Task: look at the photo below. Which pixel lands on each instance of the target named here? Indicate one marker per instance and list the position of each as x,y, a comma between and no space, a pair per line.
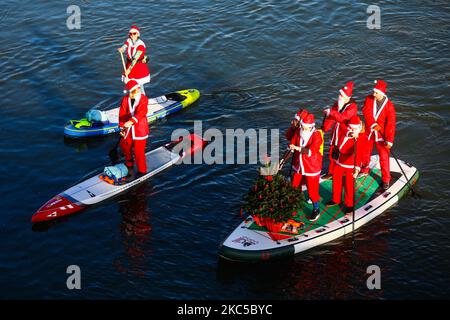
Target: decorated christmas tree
272,201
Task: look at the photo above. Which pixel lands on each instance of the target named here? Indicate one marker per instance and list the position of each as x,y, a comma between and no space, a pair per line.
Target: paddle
323,122
113,153
123,64
354,184
284,158
414,193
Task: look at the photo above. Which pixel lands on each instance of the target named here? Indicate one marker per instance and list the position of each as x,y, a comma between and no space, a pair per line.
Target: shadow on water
135,229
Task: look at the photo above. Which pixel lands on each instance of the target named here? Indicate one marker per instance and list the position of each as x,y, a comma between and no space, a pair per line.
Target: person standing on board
307,161
380,118
335,117
348,163
136,66
134,127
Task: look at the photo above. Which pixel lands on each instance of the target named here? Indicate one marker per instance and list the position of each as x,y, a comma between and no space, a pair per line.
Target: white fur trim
345,165
136,86
307,125
379,91
135,30
135,119
343,94
312,174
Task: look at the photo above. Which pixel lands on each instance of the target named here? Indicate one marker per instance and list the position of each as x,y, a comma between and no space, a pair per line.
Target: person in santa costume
134,127
351,146
380,118
336,118
307,161
295,124
136,66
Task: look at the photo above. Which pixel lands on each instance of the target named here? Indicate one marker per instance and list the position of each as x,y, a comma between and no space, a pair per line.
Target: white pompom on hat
347,90
380,87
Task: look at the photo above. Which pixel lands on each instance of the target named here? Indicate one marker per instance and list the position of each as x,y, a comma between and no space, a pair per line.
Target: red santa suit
383,116
348,161
140,72
136,136
307,163
336,118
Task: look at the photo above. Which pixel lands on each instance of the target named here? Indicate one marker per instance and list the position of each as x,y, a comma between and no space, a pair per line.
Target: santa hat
130,86
300,115
380,87
355,122
347,90
308,121
135,29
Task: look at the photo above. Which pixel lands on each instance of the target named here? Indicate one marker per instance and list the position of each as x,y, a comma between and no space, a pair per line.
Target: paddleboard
158,108
250,242
94,190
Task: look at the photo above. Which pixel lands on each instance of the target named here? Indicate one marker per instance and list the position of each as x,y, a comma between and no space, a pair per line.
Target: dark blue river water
255,62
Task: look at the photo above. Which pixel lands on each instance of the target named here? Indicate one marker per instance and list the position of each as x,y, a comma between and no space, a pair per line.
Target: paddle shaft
354,184
284,158
323,121
123,64
398,163
123,61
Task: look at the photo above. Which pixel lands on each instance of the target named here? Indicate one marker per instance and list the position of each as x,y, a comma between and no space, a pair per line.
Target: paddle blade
114,154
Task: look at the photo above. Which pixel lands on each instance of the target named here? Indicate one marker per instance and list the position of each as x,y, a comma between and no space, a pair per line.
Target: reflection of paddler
136,231
136,66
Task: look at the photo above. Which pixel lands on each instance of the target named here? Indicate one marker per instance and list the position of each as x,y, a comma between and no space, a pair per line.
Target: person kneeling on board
351,147
335,117
380,118
307,161
134,127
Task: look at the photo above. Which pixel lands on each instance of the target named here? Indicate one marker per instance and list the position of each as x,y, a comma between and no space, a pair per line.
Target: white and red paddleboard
94,190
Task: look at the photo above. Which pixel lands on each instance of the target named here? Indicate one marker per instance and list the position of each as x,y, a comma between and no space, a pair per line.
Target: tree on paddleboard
272,199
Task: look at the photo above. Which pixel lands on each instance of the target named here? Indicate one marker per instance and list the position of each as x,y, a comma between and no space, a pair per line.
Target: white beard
354,132
305,135
340,103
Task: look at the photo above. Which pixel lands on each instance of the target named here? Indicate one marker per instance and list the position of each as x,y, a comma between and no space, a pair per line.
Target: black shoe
315,215
328,176
331,203
386,186
348,210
